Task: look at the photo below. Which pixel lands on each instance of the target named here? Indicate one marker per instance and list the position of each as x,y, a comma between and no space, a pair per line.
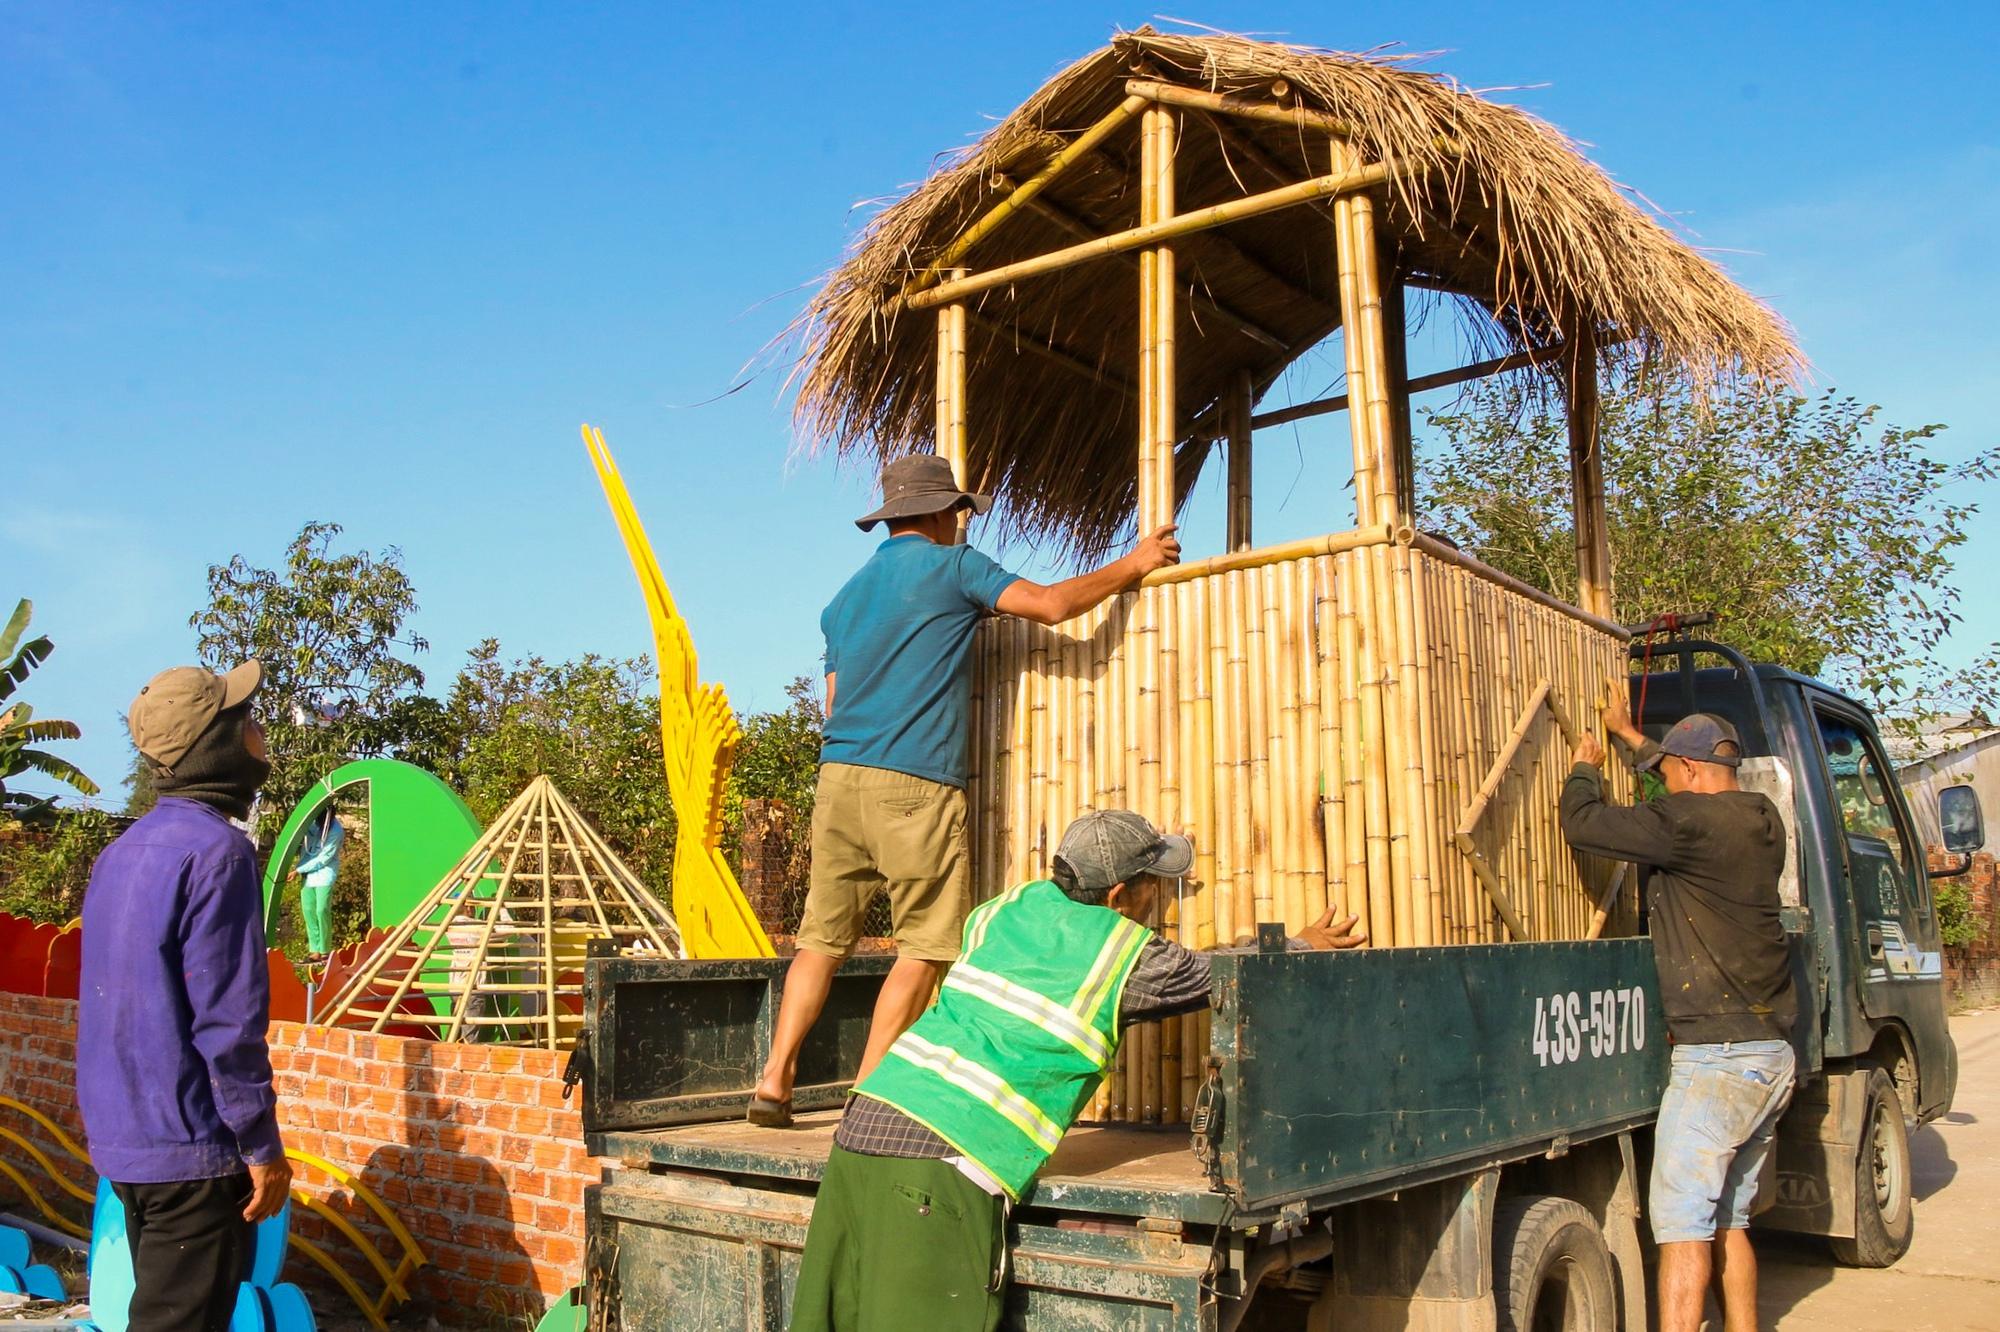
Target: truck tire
1884,1220
1552,1270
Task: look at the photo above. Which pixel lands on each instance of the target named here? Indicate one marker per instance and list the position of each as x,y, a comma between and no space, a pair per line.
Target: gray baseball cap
1696,737
1111,846
919,484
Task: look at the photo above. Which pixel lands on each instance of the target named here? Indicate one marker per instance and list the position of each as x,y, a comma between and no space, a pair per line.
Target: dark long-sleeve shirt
173,1075
1166,980
1713,863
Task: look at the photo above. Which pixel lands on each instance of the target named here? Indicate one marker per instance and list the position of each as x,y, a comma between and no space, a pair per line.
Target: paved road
1949,1281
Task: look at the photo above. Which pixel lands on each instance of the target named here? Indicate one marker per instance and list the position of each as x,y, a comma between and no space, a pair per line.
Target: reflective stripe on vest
1025,1003
976,924
982,1083
1127,939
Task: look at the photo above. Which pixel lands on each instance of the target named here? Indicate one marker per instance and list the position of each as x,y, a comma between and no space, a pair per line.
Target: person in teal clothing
317,870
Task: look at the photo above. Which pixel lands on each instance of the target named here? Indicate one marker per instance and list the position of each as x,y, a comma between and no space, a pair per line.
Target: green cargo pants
900,1245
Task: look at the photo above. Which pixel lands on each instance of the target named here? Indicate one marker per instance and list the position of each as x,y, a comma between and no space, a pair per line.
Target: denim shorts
1721,1109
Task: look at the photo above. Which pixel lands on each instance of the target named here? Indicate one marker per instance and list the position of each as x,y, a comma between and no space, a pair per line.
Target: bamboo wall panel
1319,725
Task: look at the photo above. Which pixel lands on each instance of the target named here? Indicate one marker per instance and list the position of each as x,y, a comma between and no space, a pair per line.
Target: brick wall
470,1145
1972,973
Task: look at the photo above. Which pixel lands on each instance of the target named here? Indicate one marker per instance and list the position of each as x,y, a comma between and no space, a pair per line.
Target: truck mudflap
672,1251
1816,1145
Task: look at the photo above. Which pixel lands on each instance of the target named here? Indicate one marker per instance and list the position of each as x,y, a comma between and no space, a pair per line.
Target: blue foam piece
111,1280
12,1282
15,1251
253,1312
290,1309
42,1282
268,1256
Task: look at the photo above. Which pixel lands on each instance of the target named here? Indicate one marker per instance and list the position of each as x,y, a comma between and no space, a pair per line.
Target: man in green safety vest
950,1128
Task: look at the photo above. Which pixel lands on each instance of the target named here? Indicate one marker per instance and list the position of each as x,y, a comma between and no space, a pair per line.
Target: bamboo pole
1149,324
1331,778
1438,550
1336,185
950,395
1159,318
1516,927
1353,762
1240,910
1237,414
1374,752
1430,762
548,927
1266,904
1369,505
1368,332
1205,645
1041,750
1075,151
1286,552
1305,740
1241,105
1586,469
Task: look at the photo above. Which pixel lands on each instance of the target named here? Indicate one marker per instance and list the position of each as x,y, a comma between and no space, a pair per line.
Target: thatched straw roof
1519,231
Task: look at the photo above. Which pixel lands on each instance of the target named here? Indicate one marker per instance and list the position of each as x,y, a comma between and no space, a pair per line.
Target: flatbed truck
1447,1137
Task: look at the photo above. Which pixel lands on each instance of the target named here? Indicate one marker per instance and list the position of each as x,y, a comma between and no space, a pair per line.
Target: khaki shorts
874,829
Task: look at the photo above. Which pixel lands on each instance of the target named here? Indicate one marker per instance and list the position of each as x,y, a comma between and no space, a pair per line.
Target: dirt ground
1950,1278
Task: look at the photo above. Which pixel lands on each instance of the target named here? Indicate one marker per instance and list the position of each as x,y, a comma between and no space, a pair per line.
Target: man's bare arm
1055,602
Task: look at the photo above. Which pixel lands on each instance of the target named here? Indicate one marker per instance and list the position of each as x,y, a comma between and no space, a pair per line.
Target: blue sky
374,263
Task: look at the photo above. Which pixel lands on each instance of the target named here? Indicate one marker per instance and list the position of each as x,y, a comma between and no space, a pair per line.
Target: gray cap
1696,737
919,484
1111,846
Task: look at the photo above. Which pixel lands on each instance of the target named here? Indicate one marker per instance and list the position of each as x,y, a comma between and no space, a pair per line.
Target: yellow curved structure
699,735
395,1278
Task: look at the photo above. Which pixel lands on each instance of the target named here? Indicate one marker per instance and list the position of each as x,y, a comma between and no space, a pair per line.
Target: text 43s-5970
1601,1022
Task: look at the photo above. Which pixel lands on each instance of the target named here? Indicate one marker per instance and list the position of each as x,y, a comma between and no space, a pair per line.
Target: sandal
768,1113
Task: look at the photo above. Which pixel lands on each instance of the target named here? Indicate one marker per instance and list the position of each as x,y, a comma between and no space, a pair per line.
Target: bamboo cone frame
504,891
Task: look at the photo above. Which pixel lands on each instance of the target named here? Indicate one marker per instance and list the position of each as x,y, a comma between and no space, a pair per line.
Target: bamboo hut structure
1085,307
495,951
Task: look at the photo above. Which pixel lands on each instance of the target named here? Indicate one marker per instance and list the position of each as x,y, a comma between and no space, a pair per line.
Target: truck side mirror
1960,819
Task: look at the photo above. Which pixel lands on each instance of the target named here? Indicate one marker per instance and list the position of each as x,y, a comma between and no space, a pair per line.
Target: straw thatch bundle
1522,235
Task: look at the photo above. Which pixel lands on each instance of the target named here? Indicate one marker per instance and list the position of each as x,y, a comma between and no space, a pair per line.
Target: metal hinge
1205,1123
1558,1146
578,1065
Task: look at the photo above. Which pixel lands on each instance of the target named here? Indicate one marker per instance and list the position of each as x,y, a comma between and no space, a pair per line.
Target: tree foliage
44,871
1821,538
592,725
21,732
779,756
329,629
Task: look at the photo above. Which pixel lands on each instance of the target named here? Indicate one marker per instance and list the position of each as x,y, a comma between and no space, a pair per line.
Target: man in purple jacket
173,1075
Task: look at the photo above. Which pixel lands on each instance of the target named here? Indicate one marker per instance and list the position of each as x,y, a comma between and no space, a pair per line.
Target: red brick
557,1219
563,1253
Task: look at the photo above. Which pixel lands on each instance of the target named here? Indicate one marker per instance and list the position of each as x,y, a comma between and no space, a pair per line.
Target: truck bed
1117,1170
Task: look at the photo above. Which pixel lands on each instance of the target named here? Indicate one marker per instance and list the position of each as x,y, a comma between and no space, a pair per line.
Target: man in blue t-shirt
889,810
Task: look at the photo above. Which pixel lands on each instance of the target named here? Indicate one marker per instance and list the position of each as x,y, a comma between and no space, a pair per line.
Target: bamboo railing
1322,718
